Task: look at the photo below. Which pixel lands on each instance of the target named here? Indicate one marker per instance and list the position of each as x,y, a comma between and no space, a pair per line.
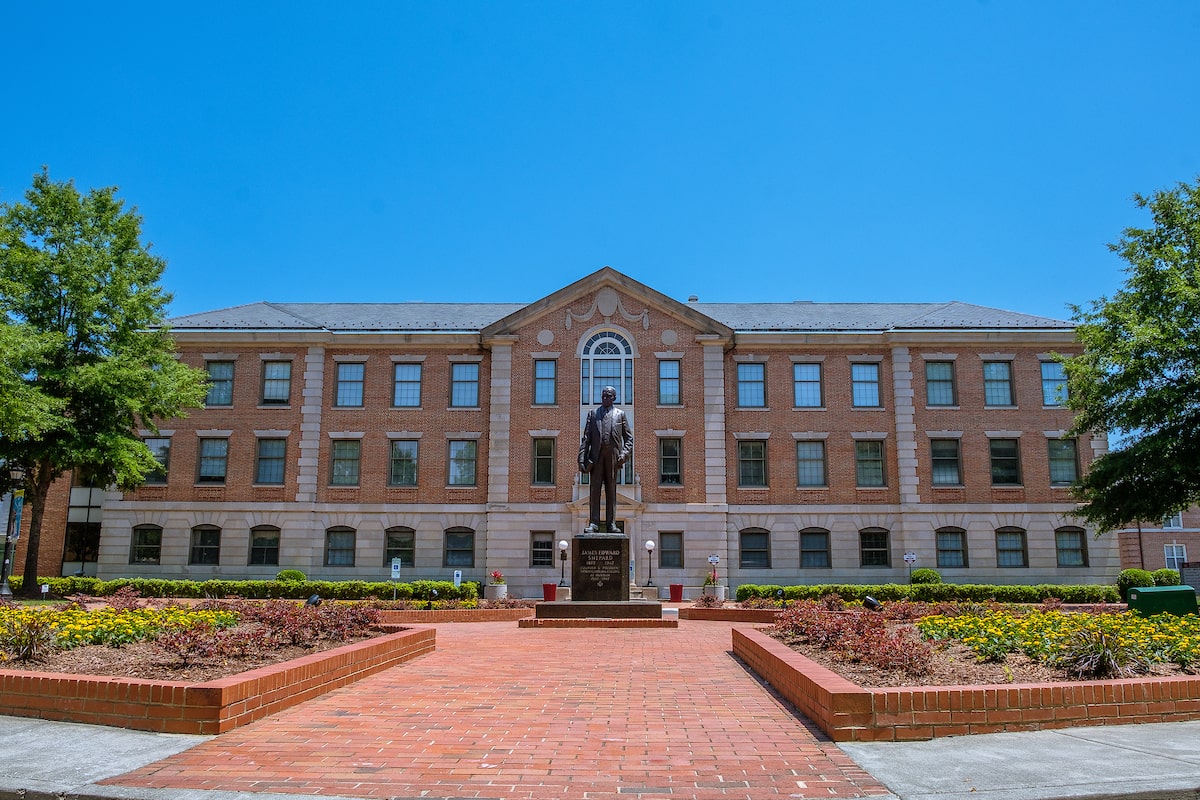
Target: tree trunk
37,489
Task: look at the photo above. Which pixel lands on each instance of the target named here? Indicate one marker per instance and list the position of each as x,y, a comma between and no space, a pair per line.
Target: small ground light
313,601
872,604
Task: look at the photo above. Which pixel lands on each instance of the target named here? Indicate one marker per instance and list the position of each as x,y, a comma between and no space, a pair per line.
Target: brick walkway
503,712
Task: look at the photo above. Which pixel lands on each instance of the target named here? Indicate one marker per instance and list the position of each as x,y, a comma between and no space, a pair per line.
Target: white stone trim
272,434
345,434
809,436
407,359
404,435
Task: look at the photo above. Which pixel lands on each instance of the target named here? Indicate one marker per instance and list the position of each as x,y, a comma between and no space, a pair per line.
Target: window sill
464,408
754,488
268,486
955,407
871,488
822,488
670,405
342,486
406,408
461,486
1001,408
271,406
752,408
868,408
809,408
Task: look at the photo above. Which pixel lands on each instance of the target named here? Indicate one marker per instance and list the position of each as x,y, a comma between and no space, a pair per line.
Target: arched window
873,547
951,547
458,548
264,545
206,545
339,546
755,549
1010,548
145,545
607,360
401,543
1071,544
814,549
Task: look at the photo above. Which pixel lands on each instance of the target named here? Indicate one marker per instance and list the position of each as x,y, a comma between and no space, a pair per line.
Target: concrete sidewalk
587,715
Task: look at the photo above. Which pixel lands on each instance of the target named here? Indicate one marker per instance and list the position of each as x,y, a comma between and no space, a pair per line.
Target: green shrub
1166,577
925,575
291,575
1133,579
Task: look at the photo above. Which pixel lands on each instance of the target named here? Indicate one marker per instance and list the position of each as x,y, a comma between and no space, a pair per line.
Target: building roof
800,316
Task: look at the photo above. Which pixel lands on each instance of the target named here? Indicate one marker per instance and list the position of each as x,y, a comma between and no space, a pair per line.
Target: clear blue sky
496,151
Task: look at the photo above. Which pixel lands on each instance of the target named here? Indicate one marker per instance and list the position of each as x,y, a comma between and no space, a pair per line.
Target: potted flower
711,587
496,588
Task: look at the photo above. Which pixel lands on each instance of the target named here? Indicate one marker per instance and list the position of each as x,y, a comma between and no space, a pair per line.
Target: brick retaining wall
848,712
212,707
454,615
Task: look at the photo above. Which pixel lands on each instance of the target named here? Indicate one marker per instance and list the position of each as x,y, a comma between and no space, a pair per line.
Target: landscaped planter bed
848,712
211,707
762,615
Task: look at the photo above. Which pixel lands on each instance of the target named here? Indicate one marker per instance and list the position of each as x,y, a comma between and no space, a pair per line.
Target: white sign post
395,575
910,558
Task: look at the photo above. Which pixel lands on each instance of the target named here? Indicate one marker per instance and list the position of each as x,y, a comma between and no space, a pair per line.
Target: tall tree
83,317
1139,373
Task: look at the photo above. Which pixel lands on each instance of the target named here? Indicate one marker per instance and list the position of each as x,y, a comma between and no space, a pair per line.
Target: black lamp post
562,556
16,498
650,562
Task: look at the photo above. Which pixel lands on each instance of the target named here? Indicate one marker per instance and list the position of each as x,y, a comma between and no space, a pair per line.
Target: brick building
801,442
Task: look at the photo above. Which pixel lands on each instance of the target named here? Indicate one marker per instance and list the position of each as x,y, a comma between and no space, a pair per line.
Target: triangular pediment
592,288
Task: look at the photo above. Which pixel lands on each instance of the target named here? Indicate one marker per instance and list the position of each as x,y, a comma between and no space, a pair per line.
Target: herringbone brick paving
536,714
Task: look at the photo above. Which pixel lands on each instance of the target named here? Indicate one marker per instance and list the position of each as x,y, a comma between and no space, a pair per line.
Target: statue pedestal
600,567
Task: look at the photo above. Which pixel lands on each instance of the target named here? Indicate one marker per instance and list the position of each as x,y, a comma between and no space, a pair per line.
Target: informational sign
910,558
714,559
395,569
457,578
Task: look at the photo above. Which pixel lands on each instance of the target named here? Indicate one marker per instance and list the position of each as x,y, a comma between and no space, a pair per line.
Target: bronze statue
607,443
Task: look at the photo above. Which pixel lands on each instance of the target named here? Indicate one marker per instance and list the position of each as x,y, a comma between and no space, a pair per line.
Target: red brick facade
736,405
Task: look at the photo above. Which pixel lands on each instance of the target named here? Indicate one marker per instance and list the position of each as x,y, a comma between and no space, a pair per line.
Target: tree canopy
1139,373
86,353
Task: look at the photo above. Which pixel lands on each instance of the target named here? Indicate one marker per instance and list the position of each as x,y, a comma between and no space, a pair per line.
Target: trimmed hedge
935,592
260,590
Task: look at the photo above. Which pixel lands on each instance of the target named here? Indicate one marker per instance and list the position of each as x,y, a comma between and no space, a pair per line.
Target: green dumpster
1150,600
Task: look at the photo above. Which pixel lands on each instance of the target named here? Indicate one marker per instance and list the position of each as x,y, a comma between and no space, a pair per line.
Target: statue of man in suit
607,443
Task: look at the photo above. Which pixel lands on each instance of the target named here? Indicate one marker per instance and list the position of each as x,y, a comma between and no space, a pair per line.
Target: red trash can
549,592
676,592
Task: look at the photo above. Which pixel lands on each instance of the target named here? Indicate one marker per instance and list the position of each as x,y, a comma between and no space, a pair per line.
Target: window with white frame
1174,521
607,360
1175,555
